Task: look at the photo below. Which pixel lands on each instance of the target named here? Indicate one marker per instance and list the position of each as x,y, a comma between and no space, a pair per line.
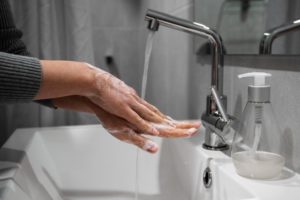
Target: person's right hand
117,98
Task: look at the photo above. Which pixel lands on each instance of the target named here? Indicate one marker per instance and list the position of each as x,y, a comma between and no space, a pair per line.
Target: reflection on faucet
215,118
268,38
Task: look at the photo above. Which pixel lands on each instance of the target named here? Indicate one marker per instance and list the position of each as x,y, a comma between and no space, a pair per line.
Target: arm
67,78
20,78
23,69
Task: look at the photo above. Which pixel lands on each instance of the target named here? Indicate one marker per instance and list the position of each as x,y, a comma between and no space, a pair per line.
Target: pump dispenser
259,91
256,145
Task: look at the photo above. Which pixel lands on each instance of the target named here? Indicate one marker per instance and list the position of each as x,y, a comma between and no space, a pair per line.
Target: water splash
148,51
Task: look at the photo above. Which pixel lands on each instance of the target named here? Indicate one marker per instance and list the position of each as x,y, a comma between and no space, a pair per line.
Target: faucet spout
266,42
156,18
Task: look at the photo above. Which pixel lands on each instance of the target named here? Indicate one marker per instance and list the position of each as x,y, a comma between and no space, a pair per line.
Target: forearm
65,78
20,78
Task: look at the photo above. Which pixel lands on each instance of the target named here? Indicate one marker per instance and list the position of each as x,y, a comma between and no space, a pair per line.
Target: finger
140,123
145,143
187,124
177,133
130,136
151,107
171,132
167,120
146,113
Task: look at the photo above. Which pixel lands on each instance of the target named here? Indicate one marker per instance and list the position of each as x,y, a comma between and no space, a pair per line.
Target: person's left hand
125,131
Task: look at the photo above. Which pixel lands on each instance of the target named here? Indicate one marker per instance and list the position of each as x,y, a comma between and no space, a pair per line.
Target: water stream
143,95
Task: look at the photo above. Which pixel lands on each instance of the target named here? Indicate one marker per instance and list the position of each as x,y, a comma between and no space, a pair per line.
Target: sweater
20,74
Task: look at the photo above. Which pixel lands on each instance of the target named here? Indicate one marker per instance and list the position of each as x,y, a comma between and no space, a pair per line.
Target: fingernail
198,124
192,131
150,146
154,131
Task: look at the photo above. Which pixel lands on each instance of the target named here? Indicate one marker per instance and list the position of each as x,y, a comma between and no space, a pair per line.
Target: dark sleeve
10,36
20,74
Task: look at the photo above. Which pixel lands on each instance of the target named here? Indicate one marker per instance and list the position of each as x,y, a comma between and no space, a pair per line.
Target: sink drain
207,177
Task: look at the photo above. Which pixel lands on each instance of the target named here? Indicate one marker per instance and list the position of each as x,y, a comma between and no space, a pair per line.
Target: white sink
85,162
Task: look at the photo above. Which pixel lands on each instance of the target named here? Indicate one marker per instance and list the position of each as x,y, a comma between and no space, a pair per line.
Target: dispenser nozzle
259,77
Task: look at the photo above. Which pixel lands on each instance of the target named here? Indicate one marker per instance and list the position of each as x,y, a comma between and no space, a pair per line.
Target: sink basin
85,162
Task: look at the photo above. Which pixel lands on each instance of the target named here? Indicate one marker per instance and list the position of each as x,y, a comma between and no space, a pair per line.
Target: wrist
65,78
92,80
88,80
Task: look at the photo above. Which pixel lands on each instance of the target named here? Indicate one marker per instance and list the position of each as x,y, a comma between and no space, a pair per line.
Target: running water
146,63
143,95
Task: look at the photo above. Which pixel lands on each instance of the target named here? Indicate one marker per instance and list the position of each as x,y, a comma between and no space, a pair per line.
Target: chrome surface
214,119
201,30
219,103
259,95
268,38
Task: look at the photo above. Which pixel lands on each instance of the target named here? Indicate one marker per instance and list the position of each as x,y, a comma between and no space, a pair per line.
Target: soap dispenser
256,146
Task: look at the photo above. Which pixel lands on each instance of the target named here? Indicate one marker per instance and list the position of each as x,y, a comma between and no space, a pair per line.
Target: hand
116,104
117,98
122,129
126,132
69,78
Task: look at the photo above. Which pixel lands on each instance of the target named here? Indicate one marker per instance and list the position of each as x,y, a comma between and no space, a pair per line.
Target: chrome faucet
268,38
214,118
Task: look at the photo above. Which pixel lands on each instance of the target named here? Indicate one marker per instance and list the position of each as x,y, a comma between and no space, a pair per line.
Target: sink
85,162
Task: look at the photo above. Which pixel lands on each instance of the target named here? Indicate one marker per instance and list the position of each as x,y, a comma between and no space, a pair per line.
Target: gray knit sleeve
20,78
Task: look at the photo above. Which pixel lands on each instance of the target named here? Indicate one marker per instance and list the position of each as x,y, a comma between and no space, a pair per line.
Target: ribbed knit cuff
20,78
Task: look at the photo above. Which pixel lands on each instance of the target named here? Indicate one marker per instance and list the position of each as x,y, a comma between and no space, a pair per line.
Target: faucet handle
220,106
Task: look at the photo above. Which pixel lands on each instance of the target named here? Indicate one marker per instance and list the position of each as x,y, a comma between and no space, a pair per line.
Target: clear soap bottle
256,145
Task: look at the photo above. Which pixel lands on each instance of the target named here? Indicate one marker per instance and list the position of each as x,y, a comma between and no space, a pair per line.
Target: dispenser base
219,148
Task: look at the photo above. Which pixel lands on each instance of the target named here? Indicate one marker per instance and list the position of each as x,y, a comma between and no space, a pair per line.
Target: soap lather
256,145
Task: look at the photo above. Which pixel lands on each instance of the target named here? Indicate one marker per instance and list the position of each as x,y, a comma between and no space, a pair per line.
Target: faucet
214,119
268,38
